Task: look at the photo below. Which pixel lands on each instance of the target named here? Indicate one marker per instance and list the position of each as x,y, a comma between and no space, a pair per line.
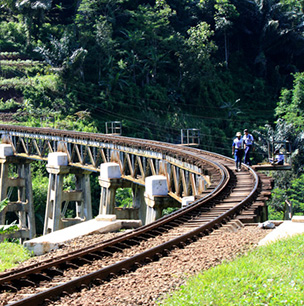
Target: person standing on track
249,142
238,150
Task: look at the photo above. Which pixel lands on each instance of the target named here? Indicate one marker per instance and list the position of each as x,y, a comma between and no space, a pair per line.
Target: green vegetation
11,254
160,66
123,197
9,229
8,105
269,275
3,204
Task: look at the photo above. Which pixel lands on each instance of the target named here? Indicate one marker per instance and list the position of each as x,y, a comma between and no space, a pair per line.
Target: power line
155,126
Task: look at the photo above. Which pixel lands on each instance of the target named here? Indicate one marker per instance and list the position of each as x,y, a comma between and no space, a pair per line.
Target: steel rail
38,267
134,261
116,268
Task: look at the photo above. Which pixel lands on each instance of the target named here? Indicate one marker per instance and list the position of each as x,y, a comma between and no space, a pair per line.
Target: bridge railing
137,159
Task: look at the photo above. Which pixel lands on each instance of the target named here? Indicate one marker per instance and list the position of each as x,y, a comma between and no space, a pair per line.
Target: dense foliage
158,66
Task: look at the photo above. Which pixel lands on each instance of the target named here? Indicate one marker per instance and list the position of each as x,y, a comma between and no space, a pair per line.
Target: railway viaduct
161,175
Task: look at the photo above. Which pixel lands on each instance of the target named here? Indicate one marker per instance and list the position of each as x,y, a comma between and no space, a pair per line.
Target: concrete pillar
24,206
6,150
84,207
109,180
29,198
139,203
57,168
156,197
55,211
3,185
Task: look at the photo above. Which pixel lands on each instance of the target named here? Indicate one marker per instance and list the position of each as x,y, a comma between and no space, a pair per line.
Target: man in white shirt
248,142
238,150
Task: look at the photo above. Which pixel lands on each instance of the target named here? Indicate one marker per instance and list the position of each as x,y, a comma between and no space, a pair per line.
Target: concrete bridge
160,175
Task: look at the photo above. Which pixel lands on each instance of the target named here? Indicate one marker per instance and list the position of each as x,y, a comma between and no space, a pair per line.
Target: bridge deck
270,167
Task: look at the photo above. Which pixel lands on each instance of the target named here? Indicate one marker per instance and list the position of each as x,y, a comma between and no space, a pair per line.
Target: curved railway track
231,192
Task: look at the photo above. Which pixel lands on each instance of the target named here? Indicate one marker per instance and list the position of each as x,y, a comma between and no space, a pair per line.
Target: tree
271,32
232,108
56,51
296,195
225,14
148,42
31,9
291,104
199,42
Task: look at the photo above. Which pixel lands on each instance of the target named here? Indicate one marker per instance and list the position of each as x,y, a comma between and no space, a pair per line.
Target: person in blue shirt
278,158
238,150
248,142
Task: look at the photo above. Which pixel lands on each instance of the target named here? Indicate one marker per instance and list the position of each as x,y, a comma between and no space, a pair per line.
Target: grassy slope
270,275
11,254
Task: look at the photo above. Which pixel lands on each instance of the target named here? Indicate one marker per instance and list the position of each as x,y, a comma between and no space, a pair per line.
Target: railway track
231,194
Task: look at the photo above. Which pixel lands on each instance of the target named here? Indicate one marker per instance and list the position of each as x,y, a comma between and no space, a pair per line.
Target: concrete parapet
156,185
105,218
127,224
129,213
284,230
110,171
6,150
187,200
57,159
57,238
299,219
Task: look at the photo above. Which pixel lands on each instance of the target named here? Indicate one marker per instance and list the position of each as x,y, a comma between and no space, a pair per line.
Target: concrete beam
55,239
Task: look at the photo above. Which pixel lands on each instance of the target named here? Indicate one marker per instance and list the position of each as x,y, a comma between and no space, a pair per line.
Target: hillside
158,67
213,65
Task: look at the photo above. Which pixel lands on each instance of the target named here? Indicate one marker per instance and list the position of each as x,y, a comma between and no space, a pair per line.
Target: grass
11,254
269,275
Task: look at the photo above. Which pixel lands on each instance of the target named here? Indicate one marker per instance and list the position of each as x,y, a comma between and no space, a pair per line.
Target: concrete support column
55,210
156,197
6,150
84,207
139,203
57,168
3,185
23,207
109,180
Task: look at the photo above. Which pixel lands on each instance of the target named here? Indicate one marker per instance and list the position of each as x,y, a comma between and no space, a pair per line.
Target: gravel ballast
149,284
